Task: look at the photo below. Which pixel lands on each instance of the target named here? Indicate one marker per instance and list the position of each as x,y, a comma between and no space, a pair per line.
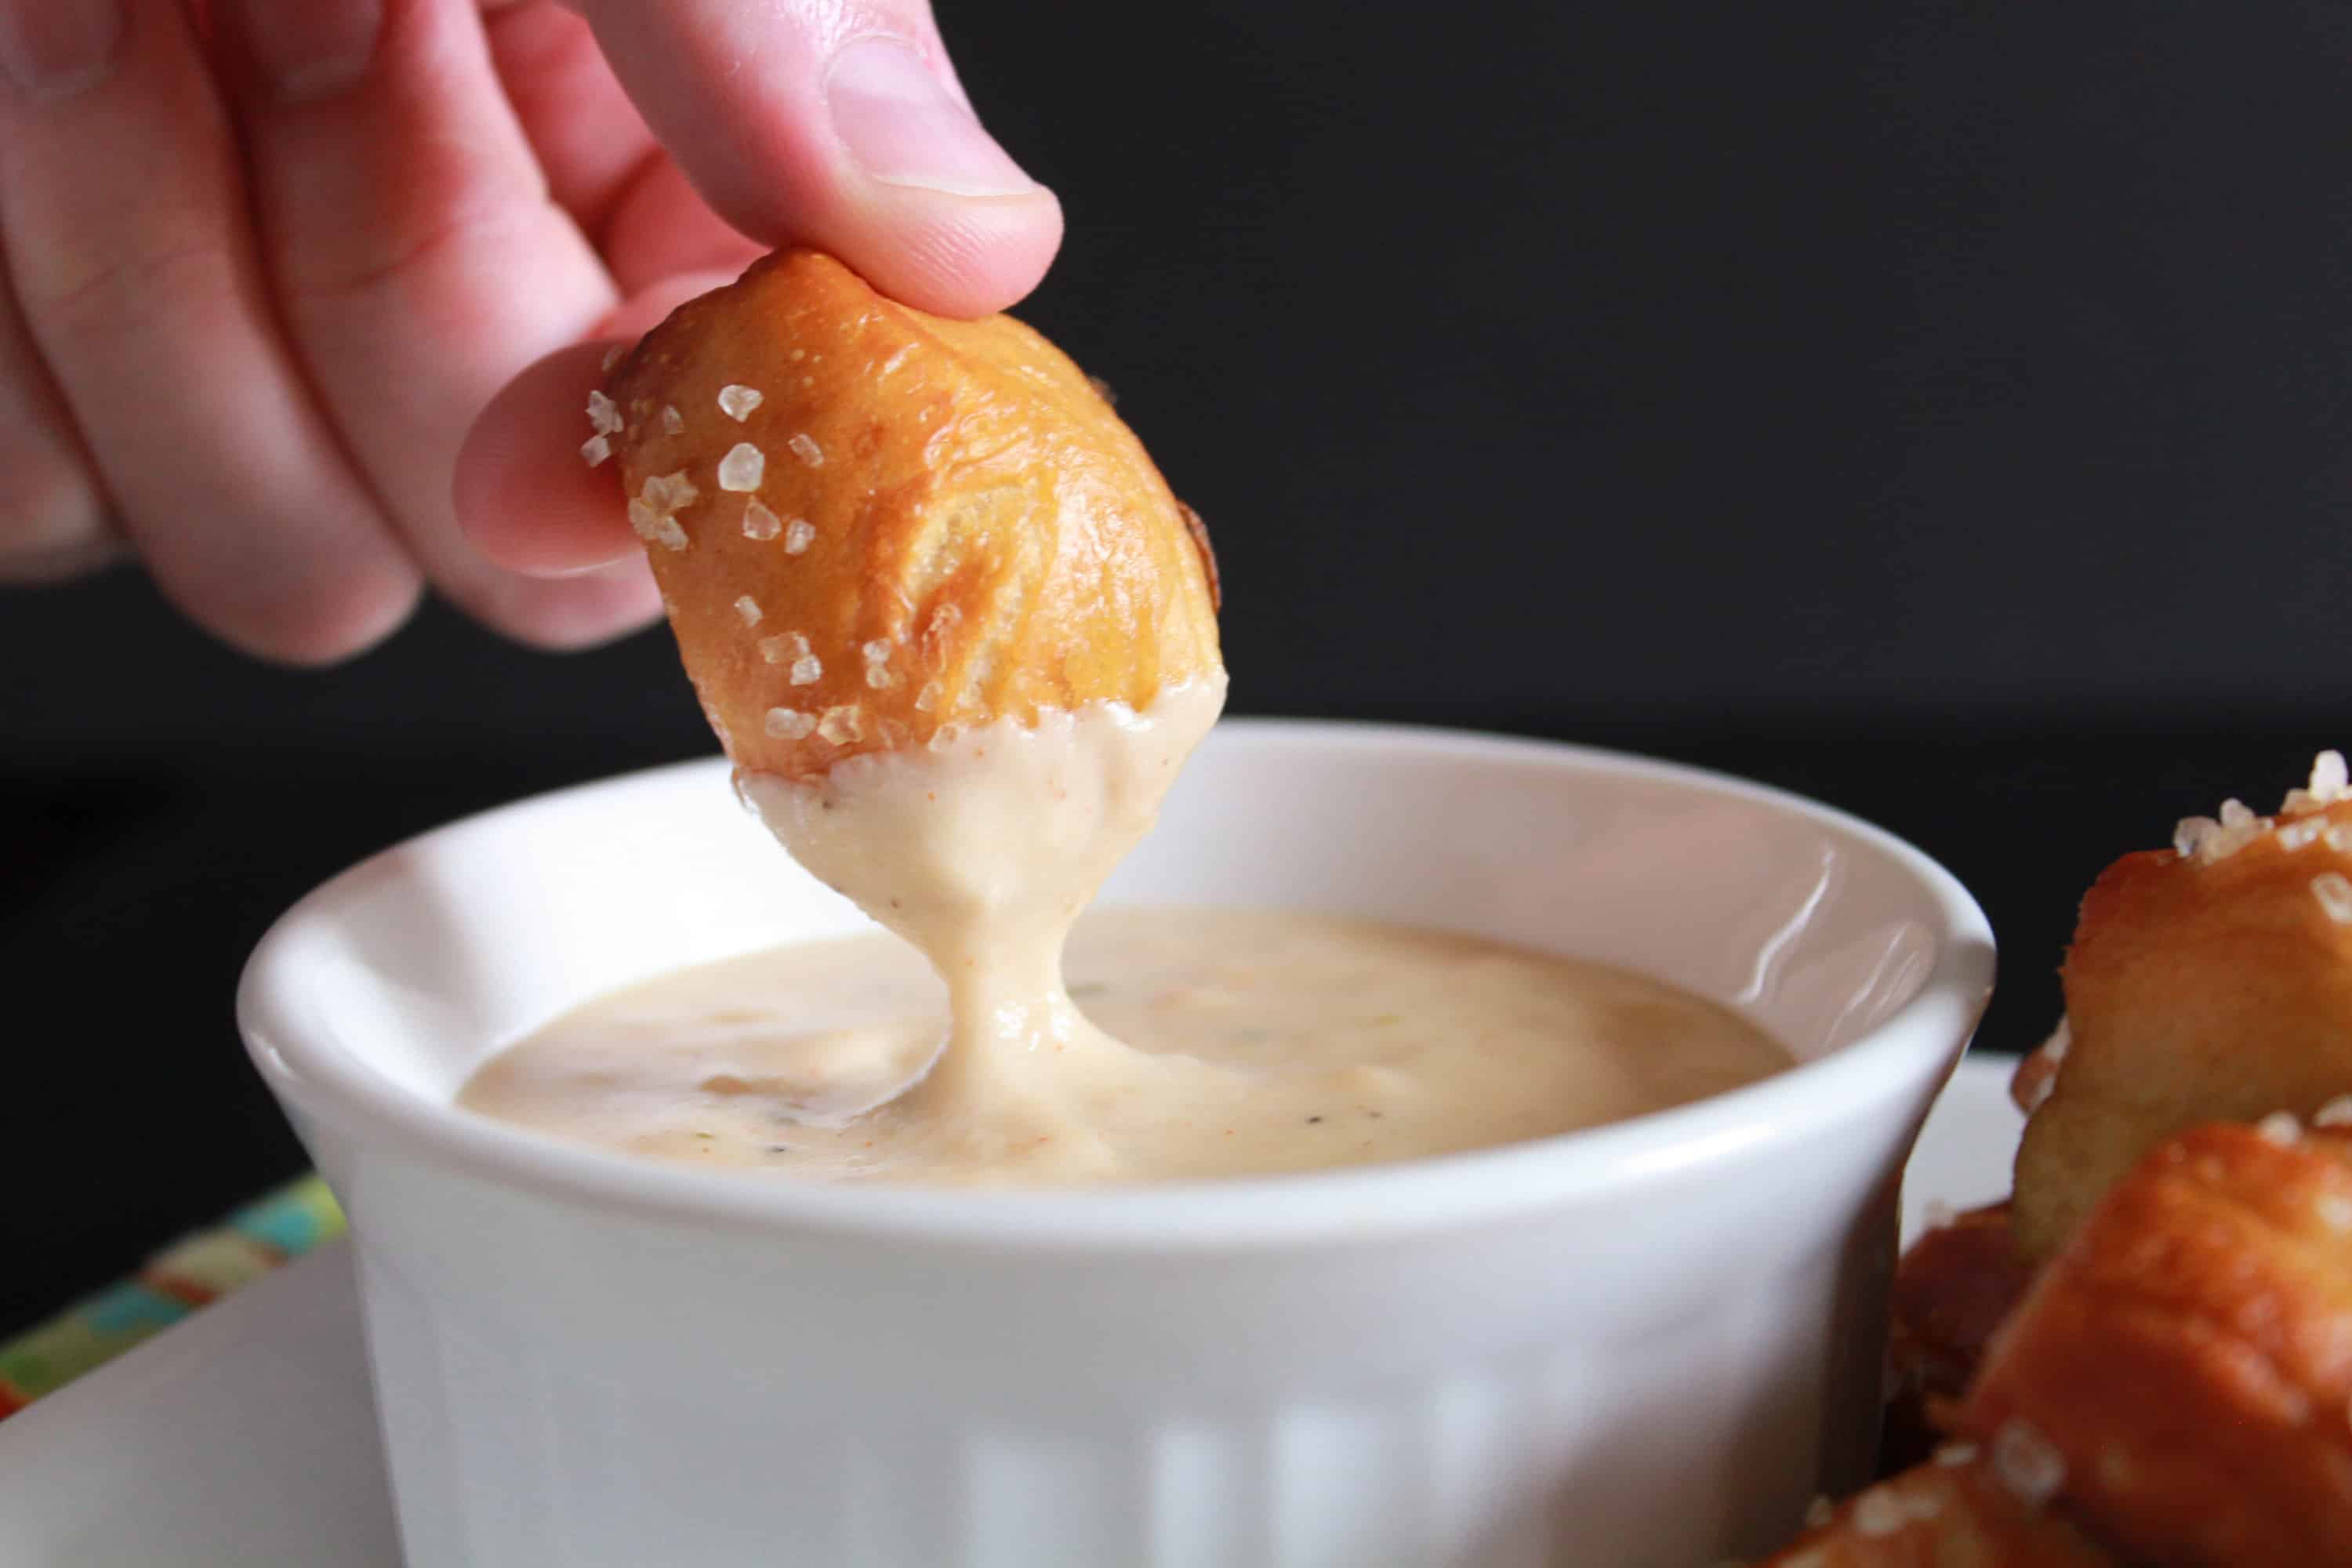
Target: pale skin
304,298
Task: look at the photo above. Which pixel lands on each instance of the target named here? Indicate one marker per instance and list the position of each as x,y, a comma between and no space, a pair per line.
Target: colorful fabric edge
190,1273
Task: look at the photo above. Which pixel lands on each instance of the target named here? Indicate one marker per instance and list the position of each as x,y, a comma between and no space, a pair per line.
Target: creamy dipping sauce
1255,1041
1193,1043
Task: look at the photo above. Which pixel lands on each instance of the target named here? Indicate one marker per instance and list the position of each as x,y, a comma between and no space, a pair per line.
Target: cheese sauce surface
1186,1043
1224,1042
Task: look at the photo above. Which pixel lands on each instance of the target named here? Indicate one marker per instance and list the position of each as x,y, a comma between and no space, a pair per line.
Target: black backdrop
1936,407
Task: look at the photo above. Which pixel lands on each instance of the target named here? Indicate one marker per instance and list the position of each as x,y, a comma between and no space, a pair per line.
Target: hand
268,262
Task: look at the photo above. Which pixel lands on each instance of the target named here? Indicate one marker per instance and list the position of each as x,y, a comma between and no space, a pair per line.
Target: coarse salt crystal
1877,1513
759,523
667,533
805,448
673,422
783,647
945,737
603,415
807,670
736,401
2335,1211
749,608
2294,836
2213,841
1952,1455
2336,1112
2330,779
799,534
2333,891
594,450
667,493
643,519
927,698
613,357
2027,1463
2339,837
789,723
843,724
2281,1127
743,468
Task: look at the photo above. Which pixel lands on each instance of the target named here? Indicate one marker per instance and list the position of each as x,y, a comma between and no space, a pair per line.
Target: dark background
1936,408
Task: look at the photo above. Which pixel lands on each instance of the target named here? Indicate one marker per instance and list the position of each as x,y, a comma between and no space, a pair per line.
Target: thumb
839,125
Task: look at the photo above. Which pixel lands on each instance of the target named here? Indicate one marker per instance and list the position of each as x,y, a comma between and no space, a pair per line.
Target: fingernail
53,49
905,128
309,48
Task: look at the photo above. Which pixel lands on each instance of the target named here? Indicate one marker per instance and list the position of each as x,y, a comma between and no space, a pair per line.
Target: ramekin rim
1913,1050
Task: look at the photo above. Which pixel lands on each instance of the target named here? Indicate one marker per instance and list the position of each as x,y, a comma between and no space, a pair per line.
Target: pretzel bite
1952,1289
2209,981
2181,1371
870,524
1954,1512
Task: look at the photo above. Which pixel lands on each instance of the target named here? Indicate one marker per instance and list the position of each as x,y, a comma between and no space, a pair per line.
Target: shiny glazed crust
2200,988
1940,1515
917,523
2188,1356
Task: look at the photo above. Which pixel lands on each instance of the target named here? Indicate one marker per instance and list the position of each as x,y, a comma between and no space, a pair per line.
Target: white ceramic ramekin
1648,1343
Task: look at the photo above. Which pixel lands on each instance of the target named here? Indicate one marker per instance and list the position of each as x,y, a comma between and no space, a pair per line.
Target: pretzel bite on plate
871,525
2209,981
2182,1370
1954,1512
1952,1290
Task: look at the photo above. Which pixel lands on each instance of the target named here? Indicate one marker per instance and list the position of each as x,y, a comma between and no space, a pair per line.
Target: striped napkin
176,1281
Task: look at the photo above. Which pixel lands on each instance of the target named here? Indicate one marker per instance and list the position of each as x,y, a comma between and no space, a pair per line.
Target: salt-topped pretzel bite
1956,1510
2182,1370
871,524
2211,980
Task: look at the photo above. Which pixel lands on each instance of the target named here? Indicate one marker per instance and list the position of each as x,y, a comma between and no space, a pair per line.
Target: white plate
247,1435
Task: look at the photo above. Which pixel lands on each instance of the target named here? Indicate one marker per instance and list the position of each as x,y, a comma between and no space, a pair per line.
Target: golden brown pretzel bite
2184,1365
869,522
1953,1288
2209,981
1954,1512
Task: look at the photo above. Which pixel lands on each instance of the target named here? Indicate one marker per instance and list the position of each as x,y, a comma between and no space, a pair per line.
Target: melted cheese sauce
1193,1043
1255,1042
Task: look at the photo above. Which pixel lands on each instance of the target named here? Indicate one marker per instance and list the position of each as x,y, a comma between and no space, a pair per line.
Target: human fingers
528,500
129,252
602,162
419,265
840,125
53,521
